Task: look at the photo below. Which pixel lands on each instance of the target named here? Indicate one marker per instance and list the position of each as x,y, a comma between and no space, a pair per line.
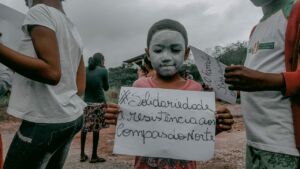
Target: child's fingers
112,108
111,122
225,121
110,116
112,105
115,111
112,111
222,110
224,116
222,127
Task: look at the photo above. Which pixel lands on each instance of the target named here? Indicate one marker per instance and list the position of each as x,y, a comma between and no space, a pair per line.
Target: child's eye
176,50
157,50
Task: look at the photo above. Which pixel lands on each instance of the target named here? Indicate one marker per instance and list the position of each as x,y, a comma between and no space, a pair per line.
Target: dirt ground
229,151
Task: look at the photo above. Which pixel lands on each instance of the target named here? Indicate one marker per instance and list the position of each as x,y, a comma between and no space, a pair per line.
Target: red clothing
1,153
149,83
292,62
148,162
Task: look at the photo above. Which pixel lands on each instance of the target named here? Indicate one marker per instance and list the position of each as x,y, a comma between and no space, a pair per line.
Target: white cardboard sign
10,26
212,73
166,123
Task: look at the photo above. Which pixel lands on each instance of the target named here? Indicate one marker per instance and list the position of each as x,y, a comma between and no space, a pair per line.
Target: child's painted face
167,52
261,3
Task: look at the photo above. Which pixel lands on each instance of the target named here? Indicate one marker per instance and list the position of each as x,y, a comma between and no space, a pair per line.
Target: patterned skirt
94,117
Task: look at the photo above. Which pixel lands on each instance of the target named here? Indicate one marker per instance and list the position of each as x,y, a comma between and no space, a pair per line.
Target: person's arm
80,78
105,81
244,79
292,81
46,67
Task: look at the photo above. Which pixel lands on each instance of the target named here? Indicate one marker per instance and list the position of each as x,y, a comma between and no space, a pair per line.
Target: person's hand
112,111
224,119
206,87
245,79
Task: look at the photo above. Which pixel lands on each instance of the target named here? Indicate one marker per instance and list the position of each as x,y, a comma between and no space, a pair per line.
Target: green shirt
96,82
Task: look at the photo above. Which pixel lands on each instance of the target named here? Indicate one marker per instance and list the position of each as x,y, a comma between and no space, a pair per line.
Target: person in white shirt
49,79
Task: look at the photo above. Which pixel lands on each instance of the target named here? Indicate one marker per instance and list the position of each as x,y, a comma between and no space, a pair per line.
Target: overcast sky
118,28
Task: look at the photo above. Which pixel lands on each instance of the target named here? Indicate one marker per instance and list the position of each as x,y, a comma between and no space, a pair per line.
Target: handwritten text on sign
166,123
212,73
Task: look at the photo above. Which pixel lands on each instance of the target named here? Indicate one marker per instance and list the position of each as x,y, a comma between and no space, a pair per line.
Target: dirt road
229,154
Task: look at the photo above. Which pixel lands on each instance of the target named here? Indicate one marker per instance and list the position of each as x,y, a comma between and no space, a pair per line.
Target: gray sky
118,28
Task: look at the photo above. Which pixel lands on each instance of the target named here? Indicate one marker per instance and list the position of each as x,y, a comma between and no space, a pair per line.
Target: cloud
118,28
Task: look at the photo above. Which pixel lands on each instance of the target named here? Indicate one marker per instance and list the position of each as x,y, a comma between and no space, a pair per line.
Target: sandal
97,160
83,158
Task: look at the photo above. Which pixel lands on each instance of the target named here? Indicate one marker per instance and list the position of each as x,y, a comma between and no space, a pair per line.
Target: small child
167,48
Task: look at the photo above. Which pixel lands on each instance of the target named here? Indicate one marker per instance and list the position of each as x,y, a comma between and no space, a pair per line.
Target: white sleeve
39,15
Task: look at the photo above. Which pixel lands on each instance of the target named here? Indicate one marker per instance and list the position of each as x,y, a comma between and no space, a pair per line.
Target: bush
121,77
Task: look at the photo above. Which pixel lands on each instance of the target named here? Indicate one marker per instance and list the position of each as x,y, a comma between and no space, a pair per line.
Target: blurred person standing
96,83
49,79
5,85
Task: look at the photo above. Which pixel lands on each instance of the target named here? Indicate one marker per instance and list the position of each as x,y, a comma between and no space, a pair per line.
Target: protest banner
166,123
212,73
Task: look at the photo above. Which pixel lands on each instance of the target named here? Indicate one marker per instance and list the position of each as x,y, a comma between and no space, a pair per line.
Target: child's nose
166,56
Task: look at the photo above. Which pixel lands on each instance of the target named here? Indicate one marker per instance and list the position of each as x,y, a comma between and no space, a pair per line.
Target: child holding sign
167,48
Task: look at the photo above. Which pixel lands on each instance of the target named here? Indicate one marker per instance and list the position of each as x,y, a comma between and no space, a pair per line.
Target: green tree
120,76
234,53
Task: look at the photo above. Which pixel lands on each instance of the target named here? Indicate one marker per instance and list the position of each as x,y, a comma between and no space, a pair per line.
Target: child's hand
111,113
224,119
206,87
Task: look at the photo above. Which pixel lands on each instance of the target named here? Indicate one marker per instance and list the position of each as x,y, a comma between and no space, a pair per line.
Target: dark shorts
260,159
94,117
41,145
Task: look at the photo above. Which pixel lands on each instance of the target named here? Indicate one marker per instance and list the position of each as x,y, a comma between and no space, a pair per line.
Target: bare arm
46,67
80,78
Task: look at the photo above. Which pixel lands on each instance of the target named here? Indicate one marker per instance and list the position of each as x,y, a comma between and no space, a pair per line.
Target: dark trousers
41,145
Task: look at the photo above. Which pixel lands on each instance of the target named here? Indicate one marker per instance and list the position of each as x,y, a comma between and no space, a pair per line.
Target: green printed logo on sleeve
261,46
267,45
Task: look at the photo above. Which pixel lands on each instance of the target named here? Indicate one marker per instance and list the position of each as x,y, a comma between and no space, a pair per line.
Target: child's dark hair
169,25
144,69
96,60
147,62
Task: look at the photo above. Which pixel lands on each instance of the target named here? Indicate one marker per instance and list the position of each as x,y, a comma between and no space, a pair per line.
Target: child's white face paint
167,50
261,3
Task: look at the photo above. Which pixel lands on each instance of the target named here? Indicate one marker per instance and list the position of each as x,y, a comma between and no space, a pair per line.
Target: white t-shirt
38,102
267,114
